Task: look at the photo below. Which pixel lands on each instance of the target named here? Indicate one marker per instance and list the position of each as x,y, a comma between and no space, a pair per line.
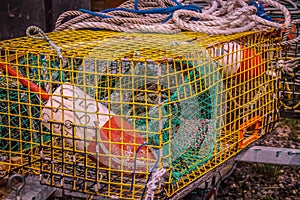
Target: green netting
189,117
195,139
13,133
20,109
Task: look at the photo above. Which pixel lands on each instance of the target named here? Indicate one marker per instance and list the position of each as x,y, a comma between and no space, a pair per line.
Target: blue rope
158,10
136,2
260,10
175,1
151,172
97,14
169,10
134,166
167,18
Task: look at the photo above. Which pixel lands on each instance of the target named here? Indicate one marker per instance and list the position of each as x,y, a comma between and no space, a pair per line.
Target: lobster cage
290,78
127,115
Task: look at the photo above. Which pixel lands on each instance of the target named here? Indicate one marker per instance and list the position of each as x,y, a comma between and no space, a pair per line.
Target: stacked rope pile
220,17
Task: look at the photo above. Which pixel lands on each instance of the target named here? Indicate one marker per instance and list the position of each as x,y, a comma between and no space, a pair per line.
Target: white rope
220,17
154,183
42,36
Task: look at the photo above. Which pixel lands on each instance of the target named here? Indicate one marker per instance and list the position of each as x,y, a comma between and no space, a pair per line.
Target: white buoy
74,113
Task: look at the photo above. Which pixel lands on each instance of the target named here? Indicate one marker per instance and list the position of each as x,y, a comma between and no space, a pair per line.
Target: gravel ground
266,181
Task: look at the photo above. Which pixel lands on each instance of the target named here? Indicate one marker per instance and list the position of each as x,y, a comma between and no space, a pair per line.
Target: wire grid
290,80
251,102
20,117
290,84
293,7
164,90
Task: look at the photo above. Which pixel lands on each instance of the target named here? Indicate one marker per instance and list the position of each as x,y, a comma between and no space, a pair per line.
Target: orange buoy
97,130
252,65
239,62
119,143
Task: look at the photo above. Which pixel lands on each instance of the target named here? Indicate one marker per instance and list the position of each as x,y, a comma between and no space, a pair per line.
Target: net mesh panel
118,103
290,85
18,107
290,80
193,117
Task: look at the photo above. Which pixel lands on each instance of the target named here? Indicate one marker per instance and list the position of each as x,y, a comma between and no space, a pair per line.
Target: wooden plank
271,155
113,4
104,4
17,15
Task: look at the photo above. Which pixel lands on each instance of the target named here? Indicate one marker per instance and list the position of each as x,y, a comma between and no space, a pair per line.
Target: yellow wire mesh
119,105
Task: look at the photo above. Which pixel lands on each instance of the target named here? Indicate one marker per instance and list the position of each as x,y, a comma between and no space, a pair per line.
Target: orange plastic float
252,64
239,62
119,144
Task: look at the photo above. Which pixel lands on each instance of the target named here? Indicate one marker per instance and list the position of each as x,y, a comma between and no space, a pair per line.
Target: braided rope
82,17
156,181
145,21
218,18
66,14
285,11
42,36
285,37
217,30
212,8
100,25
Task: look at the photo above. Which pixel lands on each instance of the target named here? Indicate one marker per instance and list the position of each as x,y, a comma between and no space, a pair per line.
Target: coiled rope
171,16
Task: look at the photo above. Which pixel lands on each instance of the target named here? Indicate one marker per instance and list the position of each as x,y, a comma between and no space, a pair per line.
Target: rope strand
171,16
